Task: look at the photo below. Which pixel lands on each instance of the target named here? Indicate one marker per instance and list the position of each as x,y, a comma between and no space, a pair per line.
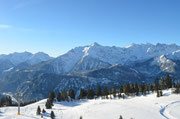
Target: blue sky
56,26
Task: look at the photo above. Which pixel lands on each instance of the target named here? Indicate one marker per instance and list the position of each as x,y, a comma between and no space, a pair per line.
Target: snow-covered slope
142,107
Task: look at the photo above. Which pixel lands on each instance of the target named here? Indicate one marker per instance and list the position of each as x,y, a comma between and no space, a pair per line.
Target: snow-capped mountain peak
17,58
95,44
39,57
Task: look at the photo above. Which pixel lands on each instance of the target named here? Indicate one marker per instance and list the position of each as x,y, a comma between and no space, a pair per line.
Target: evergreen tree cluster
50,100
66,96
39,111
129,89
61,96
159,93
177,88
6,101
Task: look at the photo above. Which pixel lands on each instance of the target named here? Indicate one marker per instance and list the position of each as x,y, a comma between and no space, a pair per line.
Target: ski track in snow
164,113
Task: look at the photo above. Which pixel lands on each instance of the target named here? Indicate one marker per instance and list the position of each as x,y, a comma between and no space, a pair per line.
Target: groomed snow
142,107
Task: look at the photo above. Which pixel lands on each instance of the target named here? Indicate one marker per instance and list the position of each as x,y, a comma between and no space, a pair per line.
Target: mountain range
34,75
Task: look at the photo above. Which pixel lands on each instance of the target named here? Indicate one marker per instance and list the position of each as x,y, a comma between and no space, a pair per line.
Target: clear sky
56,26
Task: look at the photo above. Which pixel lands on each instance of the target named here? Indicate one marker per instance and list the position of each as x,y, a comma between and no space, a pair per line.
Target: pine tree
51,96
106,92
141,88
132,89
52,115
38,111
9,101
82,94
64,95
144,92
43,111
158,95
90,94
120,117
162,85
71,94
127,89
147,89
48,104
151,88
136,89
98,91
119,95
161,93
121,89
168,82
177,89
173,83
156,84
114,92
59,97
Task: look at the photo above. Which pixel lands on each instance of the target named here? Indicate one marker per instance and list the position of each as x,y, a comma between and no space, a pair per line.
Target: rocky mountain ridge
87,67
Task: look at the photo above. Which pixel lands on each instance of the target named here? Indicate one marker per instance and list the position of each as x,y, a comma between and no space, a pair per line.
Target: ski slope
141,107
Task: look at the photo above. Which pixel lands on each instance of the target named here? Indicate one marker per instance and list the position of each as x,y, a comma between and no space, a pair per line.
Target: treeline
177,88
7,101
129,89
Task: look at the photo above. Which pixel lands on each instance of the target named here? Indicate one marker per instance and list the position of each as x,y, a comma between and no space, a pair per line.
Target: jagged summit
19,57
130,45
95,44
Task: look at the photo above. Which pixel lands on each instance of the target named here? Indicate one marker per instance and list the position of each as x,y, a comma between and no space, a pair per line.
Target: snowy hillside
142,107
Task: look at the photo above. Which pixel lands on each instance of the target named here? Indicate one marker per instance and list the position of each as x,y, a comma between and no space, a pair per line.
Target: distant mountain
38,57
40,86
17,58
96,56
86,67
8,62
159,66
5,65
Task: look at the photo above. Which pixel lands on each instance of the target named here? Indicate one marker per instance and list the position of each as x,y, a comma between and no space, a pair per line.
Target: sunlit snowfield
142,107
